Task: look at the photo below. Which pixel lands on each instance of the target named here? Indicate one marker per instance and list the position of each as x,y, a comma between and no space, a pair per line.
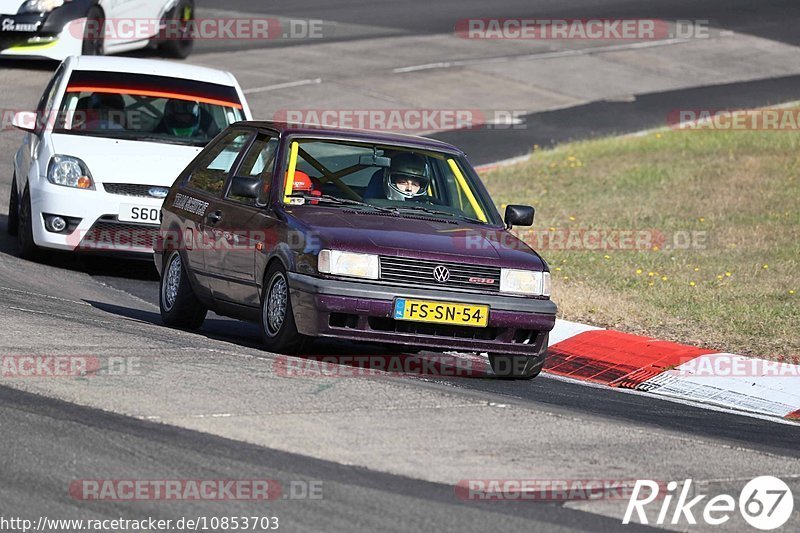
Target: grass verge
717,218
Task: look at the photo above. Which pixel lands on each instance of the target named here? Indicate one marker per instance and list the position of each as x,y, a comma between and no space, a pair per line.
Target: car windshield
149,108
386,178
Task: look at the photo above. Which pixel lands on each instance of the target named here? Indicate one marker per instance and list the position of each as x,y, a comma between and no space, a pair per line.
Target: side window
45,104
212,170
259,163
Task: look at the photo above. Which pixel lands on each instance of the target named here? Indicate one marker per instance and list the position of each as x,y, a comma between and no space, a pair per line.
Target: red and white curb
671,370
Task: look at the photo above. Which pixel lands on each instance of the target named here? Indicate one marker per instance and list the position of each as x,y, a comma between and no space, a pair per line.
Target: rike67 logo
766,503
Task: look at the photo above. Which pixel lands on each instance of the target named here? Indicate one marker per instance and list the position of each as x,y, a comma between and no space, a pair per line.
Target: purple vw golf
322,232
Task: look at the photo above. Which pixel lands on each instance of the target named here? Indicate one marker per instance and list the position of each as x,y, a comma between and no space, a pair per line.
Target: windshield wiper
437,212
344,201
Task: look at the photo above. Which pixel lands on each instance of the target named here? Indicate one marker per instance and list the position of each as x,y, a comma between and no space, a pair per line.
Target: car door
241,230
203,193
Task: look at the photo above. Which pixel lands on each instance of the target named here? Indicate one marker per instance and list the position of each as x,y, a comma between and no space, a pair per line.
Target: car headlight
69,172
352,264
528,282
40,6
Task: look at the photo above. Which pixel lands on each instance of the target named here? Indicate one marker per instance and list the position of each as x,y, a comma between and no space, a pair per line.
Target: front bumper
98,229
31,36
364,311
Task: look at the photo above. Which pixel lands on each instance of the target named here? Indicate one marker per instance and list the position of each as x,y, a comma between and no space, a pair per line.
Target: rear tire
177,301
12,226
26,247
517,366
278,328
177,40
94,34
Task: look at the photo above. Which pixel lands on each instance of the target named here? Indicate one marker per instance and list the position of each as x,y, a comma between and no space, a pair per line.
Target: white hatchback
108,139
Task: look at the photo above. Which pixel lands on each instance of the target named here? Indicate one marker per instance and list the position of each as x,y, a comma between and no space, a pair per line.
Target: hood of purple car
417,236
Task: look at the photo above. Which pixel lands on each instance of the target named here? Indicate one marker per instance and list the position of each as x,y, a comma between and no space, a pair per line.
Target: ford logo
158,192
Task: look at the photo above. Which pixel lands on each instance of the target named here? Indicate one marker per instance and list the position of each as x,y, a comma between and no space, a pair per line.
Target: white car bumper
98,229
67,43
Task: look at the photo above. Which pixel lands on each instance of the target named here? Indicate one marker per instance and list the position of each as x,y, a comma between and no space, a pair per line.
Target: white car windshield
150,108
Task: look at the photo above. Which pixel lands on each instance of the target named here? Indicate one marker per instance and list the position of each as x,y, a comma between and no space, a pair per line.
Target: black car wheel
26,247
278,328
517,366
177,39
13,209
94,38
177,301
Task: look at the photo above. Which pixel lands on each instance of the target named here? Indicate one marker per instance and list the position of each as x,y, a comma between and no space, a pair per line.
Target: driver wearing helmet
182,118
407,178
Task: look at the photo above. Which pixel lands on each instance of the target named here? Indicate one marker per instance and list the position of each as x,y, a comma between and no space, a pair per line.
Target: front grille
130,189
419,272
110,234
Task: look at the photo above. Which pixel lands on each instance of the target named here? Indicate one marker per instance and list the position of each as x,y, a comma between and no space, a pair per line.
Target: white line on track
39,295
287,85
540,55
58,315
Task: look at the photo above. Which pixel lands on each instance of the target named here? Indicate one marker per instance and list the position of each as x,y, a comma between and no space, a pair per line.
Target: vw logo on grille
158,192
441,274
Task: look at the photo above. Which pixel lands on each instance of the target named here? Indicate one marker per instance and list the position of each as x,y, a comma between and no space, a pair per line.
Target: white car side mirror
24,120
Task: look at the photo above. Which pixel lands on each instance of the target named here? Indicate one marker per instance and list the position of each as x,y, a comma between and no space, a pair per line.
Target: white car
108,139
56,29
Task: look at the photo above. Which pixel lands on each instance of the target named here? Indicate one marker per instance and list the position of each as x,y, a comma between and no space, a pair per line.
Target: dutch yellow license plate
441,312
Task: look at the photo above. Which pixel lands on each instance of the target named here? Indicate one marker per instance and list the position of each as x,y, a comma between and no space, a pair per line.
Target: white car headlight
69,171
528,282
40,6
352,264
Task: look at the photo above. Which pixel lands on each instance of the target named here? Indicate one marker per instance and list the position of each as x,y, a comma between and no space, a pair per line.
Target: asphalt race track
387,451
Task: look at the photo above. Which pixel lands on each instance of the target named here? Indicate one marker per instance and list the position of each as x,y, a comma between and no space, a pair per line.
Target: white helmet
406,166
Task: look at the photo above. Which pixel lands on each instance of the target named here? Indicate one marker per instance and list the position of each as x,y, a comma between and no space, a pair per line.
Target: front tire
26,246
178,39
94,34
521,367
278,328
12,225
180,307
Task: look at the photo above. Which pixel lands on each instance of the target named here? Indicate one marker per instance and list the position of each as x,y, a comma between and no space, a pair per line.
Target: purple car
321,232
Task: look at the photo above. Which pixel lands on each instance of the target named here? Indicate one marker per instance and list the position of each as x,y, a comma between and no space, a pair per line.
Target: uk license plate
138,213
441,312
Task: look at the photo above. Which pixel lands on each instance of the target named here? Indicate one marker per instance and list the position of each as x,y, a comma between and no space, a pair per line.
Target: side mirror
519,215
245,187
24,120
